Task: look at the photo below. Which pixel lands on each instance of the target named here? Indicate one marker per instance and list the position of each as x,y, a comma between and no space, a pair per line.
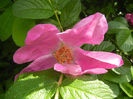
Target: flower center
63,55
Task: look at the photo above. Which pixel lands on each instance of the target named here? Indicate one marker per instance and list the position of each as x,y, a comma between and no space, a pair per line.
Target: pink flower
129,17
48,48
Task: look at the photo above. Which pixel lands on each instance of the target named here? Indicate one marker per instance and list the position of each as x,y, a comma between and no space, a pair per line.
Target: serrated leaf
115,26
70,13
104,46
88,47
113,86
127,88
125,40
85,88
6,22
39,85
20,29
33,9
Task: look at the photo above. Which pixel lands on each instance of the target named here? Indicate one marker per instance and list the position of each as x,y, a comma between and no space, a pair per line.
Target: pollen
63,55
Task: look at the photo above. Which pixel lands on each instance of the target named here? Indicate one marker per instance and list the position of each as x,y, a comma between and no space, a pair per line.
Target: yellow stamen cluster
63,55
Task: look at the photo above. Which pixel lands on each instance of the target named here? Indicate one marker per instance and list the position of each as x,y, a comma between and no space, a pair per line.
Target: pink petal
89,30
91,59
95,71
47,30
72,69
42,44
31,52
42,63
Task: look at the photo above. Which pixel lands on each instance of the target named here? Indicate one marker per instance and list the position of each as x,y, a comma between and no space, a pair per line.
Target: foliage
19,16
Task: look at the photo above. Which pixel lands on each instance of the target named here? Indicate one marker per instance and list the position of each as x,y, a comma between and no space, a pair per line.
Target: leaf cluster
17,17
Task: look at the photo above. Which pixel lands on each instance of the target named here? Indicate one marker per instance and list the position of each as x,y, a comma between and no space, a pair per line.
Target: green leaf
122,95
88,47
20,29
104,46
127,88
129,7
111,76
113,86
60,4
3,3
50,21
39,85
122,20
115,26
33,9
6,22
70,13
125,40
85,88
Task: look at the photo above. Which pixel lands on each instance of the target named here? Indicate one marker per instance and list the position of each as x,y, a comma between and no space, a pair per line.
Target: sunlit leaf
40,85
85,88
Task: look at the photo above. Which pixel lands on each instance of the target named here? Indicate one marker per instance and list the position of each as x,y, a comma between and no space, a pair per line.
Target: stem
61,28
56,15
58,85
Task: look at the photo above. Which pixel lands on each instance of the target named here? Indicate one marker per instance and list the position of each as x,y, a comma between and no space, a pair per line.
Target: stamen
63,55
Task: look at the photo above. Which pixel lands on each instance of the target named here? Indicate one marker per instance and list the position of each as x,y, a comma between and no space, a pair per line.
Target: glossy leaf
85,88
33,9
125,40
39,85
20,29
70,13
